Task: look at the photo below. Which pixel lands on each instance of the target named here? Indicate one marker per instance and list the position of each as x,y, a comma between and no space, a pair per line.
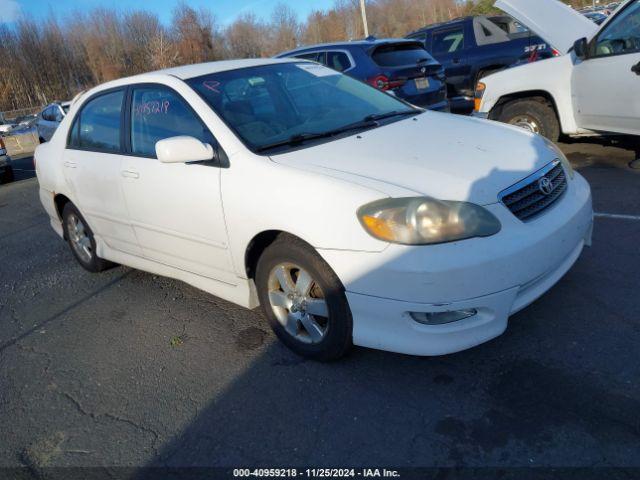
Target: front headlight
425,221
561,156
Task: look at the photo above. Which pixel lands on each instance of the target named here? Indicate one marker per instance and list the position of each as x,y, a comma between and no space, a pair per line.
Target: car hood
554,21
435,154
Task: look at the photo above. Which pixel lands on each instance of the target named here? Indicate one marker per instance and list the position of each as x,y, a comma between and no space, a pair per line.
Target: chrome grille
536,193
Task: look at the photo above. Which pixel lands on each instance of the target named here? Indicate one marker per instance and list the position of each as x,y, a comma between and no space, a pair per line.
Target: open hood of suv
552,20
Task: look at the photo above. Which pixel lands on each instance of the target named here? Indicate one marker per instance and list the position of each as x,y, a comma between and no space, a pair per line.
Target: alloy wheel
298,303
80,240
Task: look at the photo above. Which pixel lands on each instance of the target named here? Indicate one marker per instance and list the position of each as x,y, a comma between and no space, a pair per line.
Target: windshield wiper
299,138
395,113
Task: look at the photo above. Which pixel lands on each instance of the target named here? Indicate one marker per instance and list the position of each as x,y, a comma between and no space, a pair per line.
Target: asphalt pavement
125,368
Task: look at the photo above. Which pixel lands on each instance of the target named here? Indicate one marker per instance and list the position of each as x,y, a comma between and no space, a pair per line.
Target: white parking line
618,216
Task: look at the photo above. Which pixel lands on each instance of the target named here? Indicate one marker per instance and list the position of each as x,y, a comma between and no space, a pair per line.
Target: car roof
183,72
367,42
444,24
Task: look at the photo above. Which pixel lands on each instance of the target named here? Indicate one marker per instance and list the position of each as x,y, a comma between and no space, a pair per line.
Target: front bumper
497,276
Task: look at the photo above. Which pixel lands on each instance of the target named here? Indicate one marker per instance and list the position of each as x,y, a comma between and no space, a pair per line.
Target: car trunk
410,72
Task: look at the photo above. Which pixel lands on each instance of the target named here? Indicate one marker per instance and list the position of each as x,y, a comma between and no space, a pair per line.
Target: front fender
551,77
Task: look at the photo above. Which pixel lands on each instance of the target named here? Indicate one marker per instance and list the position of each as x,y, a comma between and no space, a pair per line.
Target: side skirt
243,293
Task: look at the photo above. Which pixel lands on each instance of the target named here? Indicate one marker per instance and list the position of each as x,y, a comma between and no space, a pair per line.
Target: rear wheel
303,300
534,115
81,240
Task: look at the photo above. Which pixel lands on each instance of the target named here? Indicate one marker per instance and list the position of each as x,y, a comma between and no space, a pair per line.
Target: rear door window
98,124
448,41
339,61
399,55
158,113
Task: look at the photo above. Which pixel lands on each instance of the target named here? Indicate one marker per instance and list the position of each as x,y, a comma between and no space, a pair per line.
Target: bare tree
44,61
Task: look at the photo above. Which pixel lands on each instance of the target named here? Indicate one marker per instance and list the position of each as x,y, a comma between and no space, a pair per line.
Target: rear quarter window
399,55
97,125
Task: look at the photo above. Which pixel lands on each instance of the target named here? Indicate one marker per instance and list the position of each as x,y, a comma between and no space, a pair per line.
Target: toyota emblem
545,185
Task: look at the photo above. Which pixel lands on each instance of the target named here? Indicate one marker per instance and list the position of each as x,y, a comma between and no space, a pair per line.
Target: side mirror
580,47
183,149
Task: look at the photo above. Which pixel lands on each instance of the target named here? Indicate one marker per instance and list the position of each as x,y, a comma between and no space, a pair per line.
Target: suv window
448,41
97,126
622,35
400,54
338,61
158,113
309,56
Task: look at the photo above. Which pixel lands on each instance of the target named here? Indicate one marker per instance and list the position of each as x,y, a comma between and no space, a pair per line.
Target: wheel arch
60,201
256,246
539,95
259,243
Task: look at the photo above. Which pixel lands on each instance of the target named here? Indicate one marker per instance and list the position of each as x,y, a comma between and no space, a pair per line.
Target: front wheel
533,115
303,300
81,240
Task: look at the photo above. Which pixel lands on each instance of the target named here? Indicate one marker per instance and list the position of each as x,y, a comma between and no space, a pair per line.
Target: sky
226,11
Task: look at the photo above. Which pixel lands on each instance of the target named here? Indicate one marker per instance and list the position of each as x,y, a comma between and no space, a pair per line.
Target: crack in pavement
117,418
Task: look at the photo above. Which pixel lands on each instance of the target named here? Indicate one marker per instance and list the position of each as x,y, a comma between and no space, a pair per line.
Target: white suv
590,90
347,214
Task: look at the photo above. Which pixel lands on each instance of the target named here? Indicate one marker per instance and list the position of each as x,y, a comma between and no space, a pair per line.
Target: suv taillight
2,147
555,53
381,82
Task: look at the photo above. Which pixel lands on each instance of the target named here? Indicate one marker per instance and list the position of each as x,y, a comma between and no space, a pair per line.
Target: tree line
57,58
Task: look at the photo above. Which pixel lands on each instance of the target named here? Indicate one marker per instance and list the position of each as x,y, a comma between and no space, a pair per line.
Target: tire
86,257
7,175
330,337
534,115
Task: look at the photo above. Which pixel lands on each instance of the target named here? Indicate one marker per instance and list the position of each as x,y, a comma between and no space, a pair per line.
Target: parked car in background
6,170
6,126
49,119
349,216
26,121
596,17
589,90
401,67
472,47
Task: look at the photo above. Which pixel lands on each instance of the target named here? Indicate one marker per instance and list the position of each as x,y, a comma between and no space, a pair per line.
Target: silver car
49,119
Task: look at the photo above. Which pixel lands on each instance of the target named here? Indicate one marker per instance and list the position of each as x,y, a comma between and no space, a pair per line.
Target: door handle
636,68
69,164
456,61
130,174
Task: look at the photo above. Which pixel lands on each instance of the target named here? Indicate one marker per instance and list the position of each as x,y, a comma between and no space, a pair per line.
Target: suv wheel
80,239
534,115
303,300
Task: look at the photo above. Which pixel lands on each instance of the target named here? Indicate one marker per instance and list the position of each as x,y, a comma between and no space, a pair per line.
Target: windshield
270,104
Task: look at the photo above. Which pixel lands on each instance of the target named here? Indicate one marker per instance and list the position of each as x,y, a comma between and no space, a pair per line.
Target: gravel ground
125,368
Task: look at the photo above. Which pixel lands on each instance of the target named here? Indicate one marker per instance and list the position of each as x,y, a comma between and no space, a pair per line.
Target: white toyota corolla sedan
348,215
